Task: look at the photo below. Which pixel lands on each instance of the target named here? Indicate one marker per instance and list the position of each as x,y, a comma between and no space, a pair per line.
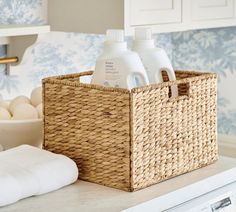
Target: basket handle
83,74
172,77
186,95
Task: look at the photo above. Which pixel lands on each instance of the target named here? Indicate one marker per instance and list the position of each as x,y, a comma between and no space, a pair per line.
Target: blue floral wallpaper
212,50
60,53
22,11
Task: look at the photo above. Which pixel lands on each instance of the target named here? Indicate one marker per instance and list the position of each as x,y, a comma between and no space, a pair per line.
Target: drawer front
212,9
151,12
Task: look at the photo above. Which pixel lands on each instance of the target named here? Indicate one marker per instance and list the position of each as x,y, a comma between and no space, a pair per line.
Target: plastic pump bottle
155,60
117,66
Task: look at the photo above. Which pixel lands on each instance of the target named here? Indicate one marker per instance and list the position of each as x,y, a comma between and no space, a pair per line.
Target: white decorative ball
5,104
40,110
18,101
25,112
36,96
4,114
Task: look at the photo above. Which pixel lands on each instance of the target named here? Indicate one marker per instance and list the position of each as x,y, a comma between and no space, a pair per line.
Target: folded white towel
28,171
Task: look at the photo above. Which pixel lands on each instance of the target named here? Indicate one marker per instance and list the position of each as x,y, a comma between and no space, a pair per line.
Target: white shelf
19,39
20,30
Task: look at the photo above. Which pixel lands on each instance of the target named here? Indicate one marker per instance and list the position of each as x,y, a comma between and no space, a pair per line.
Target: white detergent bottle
117,66
155,60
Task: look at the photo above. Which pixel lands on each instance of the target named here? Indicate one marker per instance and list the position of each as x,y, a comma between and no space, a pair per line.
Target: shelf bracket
18,38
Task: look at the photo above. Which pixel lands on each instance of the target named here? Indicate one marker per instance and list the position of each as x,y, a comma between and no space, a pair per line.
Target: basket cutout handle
84,74
183,90
168,75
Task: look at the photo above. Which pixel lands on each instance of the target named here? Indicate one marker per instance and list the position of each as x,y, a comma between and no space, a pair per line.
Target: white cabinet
203,10
155,12
161,15
212,13
179,15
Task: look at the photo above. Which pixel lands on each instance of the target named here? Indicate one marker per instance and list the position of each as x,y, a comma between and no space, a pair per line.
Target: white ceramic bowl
14,133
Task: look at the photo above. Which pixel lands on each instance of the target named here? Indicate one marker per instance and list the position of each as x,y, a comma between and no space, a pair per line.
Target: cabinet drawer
151,12
212,9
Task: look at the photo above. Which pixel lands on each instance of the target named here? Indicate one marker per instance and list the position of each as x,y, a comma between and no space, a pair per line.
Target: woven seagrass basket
132,139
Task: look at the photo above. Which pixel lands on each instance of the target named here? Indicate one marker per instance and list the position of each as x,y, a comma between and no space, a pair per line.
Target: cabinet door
151,12
212,9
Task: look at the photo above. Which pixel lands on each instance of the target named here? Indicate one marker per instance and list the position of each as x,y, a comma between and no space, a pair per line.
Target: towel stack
28,171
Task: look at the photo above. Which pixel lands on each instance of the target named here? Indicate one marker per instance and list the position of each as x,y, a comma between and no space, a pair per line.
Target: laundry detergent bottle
117,66
155,60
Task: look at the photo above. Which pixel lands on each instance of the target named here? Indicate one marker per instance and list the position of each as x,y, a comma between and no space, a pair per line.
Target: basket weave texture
132,139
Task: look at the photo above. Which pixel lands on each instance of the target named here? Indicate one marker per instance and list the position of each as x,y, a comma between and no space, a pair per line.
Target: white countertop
84,196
